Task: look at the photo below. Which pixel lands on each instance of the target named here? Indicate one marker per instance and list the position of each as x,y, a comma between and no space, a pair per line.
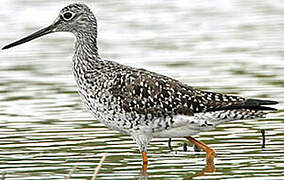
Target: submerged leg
145,164
145,161
210,153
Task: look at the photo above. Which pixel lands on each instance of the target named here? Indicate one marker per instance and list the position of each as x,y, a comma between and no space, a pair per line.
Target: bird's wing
151,93
146,92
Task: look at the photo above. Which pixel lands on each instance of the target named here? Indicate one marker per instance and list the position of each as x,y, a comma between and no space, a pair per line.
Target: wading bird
138,102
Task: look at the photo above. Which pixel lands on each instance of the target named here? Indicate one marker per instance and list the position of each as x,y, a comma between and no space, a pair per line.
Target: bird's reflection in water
204,172
207,170
209,166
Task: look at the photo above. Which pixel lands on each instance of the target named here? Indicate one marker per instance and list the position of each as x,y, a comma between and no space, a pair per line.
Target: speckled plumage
138,102
145,104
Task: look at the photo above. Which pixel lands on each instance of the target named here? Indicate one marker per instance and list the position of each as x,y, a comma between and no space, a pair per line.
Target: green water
231,47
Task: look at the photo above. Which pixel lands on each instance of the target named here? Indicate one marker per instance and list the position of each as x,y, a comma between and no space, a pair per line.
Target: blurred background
229,46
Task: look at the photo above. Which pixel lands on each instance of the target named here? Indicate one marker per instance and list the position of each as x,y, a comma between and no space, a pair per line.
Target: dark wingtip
264,108
259,102
256,104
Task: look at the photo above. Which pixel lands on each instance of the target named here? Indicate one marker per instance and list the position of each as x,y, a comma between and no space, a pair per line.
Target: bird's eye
67,15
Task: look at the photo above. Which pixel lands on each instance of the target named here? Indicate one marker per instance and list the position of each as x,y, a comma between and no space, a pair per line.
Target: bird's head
75,18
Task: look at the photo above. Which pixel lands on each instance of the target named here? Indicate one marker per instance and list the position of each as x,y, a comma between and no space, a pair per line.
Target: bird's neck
86,51
87,43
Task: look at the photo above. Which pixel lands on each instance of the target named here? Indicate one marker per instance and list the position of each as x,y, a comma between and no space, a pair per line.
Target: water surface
231,47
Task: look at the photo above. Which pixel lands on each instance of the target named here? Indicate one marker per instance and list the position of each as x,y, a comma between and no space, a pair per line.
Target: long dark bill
35,35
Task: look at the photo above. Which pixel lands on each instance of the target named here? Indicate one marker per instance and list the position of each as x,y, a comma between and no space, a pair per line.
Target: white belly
187,126
177,132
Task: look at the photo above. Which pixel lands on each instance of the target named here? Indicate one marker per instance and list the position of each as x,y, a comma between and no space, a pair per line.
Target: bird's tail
221,116
258,104
253,104
235,110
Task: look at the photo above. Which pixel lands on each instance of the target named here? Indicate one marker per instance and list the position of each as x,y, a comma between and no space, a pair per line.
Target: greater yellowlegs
138,102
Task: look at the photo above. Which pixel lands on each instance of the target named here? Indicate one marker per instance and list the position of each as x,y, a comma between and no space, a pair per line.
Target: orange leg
210,154
145,162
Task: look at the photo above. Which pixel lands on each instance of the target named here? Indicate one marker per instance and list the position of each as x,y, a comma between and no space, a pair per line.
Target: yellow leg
210,154
145,163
